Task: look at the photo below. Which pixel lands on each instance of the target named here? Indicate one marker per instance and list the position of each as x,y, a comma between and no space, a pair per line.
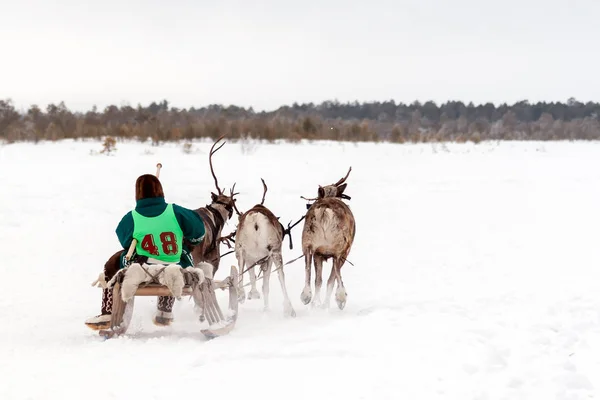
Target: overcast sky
273,52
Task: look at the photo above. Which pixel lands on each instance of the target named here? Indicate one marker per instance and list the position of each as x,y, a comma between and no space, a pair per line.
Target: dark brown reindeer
259,238
328,232
214,215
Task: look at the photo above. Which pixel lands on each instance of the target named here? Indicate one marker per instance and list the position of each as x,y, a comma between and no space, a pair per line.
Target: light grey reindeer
259,238
328,232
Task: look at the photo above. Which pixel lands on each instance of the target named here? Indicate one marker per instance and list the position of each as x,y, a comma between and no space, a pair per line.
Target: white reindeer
259,238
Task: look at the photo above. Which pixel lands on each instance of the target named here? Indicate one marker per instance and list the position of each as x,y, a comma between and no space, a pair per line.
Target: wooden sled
203,295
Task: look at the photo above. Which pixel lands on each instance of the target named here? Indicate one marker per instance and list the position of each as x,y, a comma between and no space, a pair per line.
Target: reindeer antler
343,179
309,204
333,190
264,192
231,194
210,161
231,191
307,199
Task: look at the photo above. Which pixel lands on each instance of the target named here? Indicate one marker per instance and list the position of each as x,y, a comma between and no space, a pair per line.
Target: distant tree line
330,120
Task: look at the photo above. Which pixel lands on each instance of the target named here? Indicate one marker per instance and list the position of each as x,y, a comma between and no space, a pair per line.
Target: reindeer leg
330,282
266,267
306,294
253,291
241,266
287,304
340,293
318,260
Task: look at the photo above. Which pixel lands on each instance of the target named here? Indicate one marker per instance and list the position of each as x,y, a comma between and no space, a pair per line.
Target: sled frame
203,295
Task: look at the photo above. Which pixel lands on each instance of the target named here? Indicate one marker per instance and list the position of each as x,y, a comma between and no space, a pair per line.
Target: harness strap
208,221
217,215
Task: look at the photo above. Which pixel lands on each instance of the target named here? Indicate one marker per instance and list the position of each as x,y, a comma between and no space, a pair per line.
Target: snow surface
475,274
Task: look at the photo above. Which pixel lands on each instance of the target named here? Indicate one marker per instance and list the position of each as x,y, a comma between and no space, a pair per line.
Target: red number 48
168,242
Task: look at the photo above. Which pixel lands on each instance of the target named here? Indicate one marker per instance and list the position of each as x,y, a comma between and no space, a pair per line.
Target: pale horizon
270,53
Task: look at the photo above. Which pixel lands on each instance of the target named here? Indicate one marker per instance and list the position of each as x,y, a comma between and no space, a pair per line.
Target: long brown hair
147,186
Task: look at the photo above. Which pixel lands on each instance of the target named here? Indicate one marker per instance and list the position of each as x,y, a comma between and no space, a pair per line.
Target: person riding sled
162,231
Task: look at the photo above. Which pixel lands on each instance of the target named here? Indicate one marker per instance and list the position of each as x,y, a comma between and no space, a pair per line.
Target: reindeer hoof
305,296
288,310
316,303
340,298
253,294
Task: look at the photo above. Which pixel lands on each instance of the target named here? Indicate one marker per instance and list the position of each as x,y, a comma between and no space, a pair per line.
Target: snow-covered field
476,275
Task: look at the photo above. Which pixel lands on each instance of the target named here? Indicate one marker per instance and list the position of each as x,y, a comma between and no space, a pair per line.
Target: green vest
158,237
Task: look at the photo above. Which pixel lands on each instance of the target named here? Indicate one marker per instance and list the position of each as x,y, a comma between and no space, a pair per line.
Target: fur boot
102,321
164,312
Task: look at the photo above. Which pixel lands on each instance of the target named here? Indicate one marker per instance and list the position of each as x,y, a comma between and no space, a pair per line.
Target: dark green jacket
190,222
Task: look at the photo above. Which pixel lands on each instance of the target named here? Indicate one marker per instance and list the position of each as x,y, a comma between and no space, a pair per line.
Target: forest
388,121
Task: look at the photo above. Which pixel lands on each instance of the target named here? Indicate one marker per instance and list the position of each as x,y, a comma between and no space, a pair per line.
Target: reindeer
328,232
214,216
259,238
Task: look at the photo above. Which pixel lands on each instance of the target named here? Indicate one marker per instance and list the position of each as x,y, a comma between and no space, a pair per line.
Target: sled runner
161,280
